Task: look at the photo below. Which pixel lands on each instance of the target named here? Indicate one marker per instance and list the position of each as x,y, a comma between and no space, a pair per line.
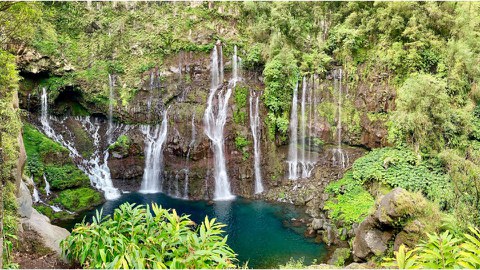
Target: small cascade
215,120
96,168
255,127
301,159
35,195
339,157
152,181
47,186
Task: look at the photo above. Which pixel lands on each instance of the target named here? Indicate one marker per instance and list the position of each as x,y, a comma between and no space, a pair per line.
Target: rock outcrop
400,217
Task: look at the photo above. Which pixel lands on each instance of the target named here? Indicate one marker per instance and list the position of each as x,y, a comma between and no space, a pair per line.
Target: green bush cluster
66,176
351,202
241,144
122,143
80,199
240,96
143,238
400,167
440,251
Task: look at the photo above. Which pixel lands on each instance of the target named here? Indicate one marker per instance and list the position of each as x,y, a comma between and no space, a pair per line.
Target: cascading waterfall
215,121
152,181
47,185
191,145
292,146
301,160
98,173
255,127
111,99
339,157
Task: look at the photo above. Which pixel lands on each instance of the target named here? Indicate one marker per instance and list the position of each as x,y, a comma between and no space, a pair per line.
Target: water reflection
259,232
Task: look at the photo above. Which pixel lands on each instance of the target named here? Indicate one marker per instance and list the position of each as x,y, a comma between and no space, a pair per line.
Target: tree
425,115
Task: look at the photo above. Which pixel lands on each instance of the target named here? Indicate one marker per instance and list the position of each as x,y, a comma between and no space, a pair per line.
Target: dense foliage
46,158
142,237
440,251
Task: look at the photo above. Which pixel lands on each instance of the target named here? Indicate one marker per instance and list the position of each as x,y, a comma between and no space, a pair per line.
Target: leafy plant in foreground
444,250
135,238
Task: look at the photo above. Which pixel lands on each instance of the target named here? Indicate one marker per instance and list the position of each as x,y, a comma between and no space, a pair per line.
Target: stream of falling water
339,157
215,121
96,169
301,160
152,181
255,127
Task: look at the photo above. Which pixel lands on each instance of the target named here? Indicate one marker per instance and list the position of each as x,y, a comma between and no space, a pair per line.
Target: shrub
67,176
79,199
135,238
351,204
399,167
444,250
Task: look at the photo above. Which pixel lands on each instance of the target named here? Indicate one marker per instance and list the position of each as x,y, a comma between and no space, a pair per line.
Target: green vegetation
46,157
52,215
77,200
444,250
9,223
121,145
281,76
135,238
240,96
241,144
351,202
400,167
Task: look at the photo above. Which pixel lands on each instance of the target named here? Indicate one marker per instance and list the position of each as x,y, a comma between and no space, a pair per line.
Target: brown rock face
387,223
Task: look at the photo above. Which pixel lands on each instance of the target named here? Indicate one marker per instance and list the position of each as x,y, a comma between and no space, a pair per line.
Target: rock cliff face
181,86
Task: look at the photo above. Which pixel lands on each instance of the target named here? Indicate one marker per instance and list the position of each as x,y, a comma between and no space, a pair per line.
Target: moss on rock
79,199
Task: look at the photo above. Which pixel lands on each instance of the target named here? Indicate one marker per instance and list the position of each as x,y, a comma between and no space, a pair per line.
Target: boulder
370,240
317,223
340,256
24,201
51,235
394,209
397,204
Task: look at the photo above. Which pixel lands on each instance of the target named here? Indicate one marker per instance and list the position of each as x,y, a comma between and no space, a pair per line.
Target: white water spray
339,157
215,121
98,173
255,128
301,163
155,138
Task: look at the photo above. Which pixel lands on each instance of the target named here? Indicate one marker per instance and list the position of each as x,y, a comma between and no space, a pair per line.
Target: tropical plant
445,250
135,238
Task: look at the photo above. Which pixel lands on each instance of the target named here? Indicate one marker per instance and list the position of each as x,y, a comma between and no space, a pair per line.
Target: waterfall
35,195
187,159
292,146
47,186
111,100
152,181
255,127
339,157
98,173
301,161
215,121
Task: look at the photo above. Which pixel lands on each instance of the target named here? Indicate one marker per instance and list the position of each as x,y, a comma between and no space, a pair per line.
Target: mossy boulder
401,217
340,256
80,199
399,205
52,215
